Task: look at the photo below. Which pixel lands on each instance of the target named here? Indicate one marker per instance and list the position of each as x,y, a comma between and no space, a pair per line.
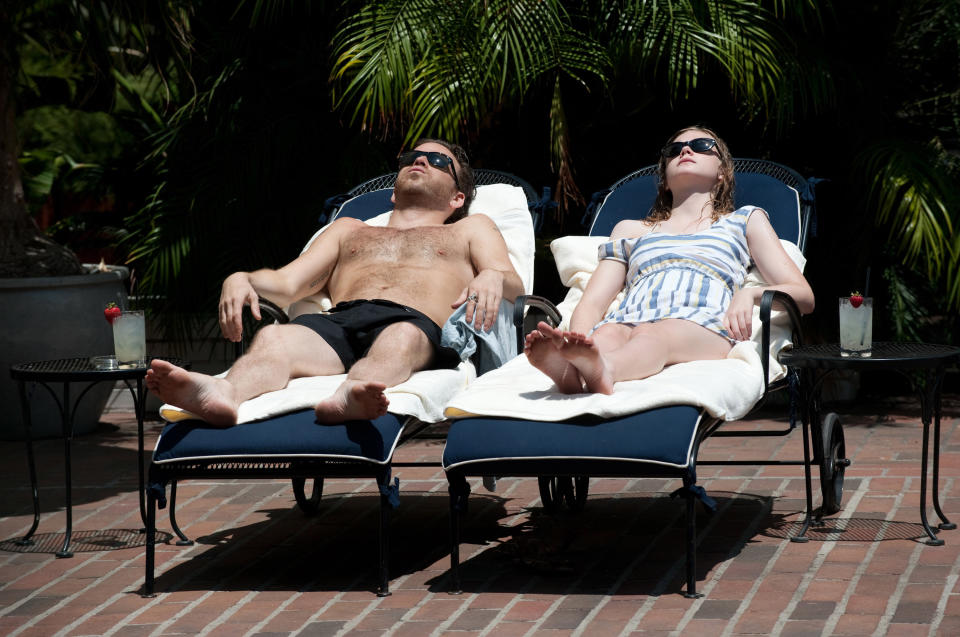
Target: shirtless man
392,288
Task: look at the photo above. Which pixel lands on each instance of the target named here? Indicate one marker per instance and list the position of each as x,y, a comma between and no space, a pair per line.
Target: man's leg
398,351
278,353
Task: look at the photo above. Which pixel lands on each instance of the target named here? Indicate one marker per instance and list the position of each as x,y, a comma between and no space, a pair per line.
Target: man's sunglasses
435,159
698,145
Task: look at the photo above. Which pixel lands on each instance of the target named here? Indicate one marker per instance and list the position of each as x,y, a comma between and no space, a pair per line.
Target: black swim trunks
351,327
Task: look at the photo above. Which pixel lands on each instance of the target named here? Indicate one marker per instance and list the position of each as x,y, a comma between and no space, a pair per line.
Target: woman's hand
236,292
739,317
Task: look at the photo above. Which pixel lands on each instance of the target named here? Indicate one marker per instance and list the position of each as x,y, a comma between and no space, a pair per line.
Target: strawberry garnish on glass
856,299
111,312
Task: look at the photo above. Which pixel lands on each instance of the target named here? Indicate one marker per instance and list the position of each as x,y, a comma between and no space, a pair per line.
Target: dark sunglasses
698,145
435,159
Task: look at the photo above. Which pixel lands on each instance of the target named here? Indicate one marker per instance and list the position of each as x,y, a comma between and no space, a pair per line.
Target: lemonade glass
856,327
130,339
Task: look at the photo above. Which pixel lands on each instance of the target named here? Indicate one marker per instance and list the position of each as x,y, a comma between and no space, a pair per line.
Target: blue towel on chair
495,347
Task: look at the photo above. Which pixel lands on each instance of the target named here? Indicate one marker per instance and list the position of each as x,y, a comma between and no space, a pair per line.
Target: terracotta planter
55,317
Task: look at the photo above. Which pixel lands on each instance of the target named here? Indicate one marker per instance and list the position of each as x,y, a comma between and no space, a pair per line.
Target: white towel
422,396
726,388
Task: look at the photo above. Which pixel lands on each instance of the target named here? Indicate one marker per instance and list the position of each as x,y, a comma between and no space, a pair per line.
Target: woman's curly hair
722,196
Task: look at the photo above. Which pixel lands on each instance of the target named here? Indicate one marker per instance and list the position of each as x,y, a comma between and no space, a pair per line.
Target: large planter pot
45,318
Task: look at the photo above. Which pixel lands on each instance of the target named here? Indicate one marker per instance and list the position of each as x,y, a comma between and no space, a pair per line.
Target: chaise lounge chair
513,422
277,436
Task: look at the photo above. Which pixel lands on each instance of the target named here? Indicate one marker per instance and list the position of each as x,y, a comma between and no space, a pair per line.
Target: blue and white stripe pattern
684,276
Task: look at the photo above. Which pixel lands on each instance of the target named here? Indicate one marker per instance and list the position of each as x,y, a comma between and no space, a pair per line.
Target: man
393,287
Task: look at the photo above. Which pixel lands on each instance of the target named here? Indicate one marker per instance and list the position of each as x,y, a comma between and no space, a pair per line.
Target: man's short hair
464,175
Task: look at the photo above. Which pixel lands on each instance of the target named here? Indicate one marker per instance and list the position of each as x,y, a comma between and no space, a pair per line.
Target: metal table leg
928,395
139,404
945,524
25,409
67,416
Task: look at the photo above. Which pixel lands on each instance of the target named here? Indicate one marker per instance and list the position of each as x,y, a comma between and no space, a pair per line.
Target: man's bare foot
582,352
353,400
206,397
542,352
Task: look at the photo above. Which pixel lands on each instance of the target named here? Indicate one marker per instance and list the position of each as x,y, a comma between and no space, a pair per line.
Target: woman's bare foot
582,352
206,397
543,353
353,400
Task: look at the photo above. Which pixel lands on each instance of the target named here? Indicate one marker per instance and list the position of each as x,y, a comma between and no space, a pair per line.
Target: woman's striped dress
684,276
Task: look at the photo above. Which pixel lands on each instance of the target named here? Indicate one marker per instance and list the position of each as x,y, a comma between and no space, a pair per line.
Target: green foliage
225,124
914,198
442,67
66,149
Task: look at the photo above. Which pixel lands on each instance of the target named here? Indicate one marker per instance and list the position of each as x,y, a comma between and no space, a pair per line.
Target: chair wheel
833,464
310,505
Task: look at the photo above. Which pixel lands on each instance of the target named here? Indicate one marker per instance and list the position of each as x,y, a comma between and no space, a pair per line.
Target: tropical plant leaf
914,200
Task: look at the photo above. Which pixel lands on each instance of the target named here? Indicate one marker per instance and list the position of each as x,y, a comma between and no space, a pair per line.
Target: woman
682,268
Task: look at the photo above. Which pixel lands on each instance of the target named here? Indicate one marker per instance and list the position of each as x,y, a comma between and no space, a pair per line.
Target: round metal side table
929,359
67,371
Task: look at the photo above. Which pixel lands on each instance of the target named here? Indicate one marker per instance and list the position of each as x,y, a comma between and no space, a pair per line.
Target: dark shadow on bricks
335,550
628,545
101,469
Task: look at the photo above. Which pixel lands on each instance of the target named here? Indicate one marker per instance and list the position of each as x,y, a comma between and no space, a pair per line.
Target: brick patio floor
259,567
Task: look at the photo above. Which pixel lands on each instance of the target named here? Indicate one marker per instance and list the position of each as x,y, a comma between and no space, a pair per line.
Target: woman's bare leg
653,346
606,358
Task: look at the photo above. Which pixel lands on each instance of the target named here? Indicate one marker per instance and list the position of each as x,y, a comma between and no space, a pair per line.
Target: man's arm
496,277
303,276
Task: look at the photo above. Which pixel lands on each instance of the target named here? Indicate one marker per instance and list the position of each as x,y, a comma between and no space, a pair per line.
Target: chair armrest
784,302
544,307
274,311
268,309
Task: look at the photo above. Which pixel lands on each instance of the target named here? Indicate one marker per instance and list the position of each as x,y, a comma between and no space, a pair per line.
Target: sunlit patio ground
259,567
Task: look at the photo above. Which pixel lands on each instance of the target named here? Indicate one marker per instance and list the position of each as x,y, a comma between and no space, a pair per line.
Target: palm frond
377,52
914,199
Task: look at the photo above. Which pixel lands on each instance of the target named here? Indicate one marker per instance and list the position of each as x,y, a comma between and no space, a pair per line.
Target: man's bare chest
421,246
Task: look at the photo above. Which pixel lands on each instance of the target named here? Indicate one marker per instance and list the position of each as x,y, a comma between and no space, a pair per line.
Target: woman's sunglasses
698,145
437,160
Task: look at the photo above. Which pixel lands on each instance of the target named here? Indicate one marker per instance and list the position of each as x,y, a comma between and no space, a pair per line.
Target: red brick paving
258,567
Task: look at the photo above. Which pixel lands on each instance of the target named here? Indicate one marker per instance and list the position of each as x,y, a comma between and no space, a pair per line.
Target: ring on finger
473,297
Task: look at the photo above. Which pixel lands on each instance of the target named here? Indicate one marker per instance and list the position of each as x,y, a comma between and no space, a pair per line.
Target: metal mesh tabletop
883,355
80,368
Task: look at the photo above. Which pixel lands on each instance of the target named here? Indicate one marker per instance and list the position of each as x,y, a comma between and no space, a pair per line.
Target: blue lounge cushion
296,434
655,442
778,199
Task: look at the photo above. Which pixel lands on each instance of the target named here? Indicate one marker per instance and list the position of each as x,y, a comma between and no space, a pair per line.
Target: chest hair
413,246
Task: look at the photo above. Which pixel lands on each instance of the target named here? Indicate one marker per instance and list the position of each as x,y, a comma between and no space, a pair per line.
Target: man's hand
235,293
482,296
739,317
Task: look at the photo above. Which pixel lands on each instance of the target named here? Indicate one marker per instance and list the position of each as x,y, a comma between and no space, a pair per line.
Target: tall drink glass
130,339
856,327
